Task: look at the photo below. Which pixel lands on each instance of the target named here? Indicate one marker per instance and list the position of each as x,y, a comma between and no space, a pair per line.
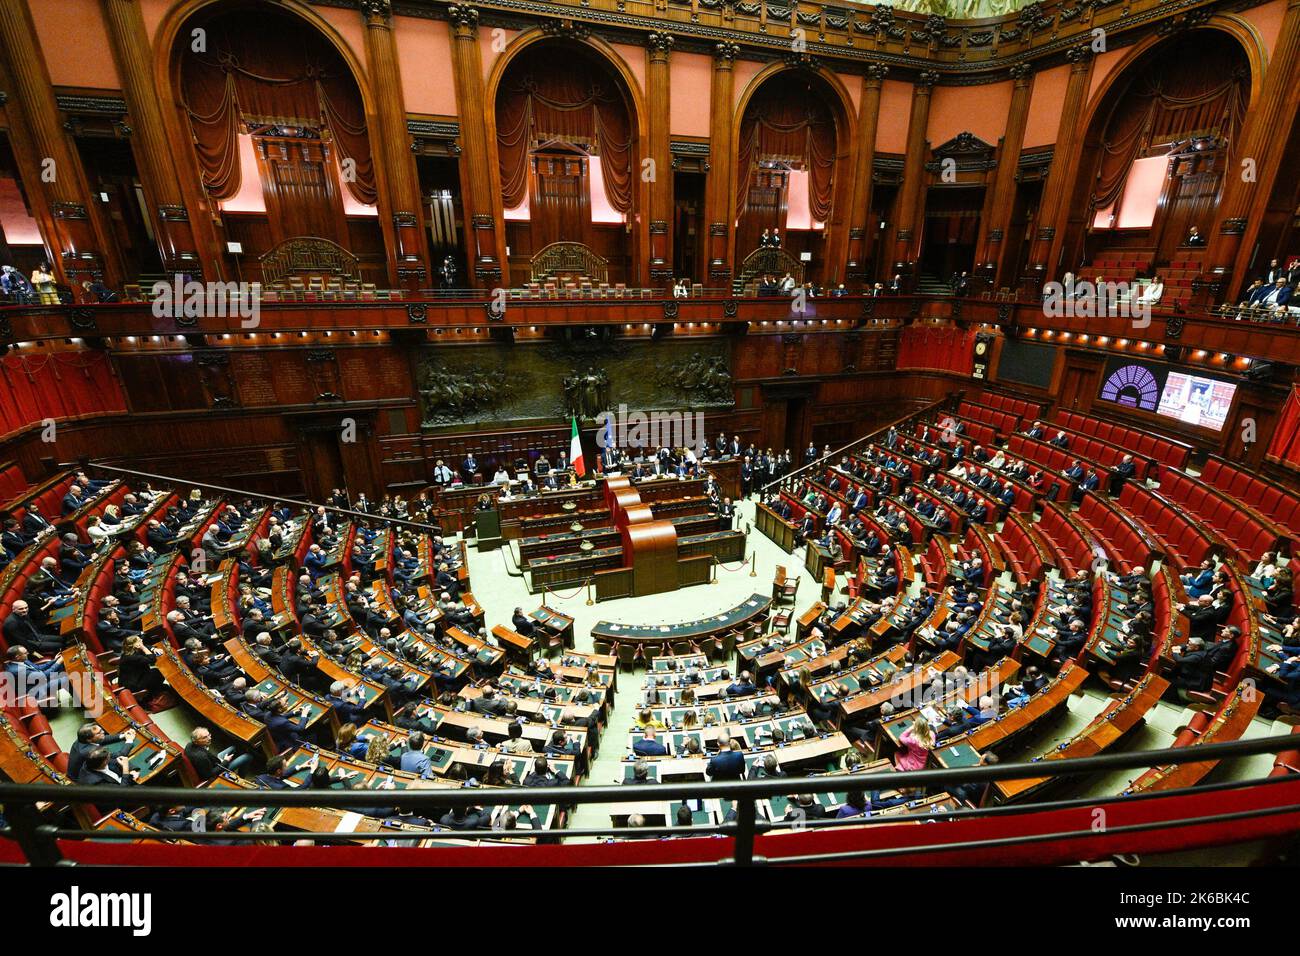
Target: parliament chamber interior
649,432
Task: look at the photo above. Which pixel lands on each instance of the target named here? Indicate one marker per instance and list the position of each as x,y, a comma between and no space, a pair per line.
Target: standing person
915,746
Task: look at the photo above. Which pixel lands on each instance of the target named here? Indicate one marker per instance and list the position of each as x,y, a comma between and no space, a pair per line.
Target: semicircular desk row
662,637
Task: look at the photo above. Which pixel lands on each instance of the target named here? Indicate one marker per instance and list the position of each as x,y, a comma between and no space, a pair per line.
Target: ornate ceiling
962,9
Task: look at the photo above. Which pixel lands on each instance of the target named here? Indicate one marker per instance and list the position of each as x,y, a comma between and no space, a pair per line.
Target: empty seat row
1004,422
1167,630
12,482
1022,549
1165,451
1183,541
1271,500
1067,540
1124,541
934,563
1249,534
1012,406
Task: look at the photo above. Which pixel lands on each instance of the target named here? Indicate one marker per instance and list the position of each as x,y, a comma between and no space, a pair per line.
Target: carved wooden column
911,200
173,232
718,198
78,243
1052,209
1263,140
860,238
989,265
658,49
480,178
408,258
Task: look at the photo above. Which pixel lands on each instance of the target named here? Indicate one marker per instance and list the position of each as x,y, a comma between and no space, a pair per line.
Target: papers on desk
932,716
348,823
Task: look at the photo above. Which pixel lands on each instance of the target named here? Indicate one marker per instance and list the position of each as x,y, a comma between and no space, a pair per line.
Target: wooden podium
649,545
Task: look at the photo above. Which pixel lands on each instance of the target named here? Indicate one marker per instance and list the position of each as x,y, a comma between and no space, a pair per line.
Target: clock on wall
983,346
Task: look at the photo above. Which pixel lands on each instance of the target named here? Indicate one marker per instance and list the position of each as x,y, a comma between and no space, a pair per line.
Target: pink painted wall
153,11
249,198
743,72
1045,106
74,41
19,227
634,57
348,24
1102,67
895,109
491,47
981,110
853,86
688,103
1267,21
424,59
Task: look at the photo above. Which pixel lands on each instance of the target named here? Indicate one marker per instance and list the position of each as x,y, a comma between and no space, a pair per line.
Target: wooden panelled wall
273,419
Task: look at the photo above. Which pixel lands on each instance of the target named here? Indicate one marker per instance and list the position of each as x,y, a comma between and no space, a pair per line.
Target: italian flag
575,451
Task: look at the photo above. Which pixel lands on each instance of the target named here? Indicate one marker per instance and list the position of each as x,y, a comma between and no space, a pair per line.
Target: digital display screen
1196,401
1193,399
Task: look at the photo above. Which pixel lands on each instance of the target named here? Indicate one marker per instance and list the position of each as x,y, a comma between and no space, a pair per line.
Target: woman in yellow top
43,282
647,719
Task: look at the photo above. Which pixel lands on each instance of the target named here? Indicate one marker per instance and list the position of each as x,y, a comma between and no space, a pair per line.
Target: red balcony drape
944,348
58,386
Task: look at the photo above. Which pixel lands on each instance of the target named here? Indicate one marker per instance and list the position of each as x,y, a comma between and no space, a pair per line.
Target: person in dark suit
278,776
488,703
466,818
33,521
21,631
348,703
543,776
284,730
728,764
1088,483
1200,581
91,736
805,807
1193,669
112,634
648,746
101,769
521,624
741,686
72,501
207,763
1206,613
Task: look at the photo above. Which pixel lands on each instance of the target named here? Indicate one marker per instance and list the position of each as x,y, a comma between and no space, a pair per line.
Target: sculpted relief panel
503,385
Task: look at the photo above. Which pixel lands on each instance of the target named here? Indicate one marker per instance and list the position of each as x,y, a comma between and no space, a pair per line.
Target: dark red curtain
269,69
554,94
56,385
1199,85
790,124
1285,446
944,348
